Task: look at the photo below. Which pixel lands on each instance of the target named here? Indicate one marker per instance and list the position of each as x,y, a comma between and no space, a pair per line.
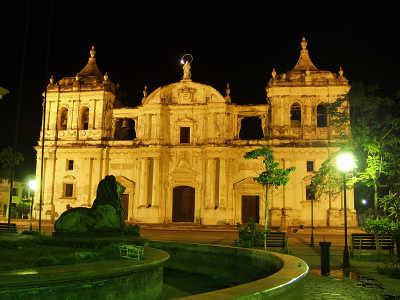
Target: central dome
185,92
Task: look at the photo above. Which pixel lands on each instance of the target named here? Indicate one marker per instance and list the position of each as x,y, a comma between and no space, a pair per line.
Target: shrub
250,235
110,252
132,230
31,232
391,269
67,260
379,226
45,261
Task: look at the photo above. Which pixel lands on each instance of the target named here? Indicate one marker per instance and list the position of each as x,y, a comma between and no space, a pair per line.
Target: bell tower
297,100
79,108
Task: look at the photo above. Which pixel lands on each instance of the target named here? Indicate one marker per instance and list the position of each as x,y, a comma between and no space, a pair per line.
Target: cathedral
180,154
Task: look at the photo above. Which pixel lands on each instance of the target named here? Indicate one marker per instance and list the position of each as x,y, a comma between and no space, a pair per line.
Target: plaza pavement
336,286
363,282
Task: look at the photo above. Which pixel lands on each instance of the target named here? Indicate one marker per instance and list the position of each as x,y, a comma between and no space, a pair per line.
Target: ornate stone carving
185,95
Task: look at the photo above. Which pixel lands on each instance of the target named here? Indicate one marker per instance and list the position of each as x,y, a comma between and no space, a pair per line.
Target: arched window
295,115
322,117
63,119
84,118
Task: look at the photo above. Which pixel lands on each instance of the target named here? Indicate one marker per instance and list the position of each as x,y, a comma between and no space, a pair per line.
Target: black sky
142,45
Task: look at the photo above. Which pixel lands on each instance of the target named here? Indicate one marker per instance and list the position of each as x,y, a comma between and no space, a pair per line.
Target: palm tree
9,159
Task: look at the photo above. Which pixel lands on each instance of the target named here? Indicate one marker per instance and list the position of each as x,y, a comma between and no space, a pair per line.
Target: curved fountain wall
112,279
258,274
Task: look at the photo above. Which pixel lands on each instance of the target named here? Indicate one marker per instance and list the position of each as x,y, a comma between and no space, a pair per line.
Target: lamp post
345,163
312,222
32,187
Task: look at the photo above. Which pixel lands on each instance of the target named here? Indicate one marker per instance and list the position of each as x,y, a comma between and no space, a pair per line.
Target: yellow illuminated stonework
180,153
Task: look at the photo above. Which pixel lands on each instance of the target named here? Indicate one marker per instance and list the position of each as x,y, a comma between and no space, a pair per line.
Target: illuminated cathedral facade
180,154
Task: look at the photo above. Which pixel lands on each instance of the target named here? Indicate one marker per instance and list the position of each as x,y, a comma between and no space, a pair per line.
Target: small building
20,198
180,153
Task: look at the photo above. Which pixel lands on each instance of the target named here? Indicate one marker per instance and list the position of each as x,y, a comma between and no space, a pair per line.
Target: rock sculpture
105,215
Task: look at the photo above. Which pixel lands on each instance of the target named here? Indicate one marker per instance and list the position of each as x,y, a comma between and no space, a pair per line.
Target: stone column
74,115
156,182
210,192
49,105
91,115
238,126
144,172
114,128
98,114
149,126
89,200
222,183
264,125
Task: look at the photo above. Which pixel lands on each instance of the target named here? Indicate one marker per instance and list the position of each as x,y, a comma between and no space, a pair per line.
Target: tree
373,138
9,160
327,180
273,176
3,92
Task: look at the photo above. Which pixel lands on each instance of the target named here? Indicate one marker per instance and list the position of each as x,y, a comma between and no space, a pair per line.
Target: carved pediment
183,166
185,119
248,184
69,178
186,95
246,181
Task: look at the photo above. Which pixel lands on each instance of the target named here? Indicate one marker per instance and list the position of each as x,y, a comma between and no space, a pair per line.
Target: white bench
131,252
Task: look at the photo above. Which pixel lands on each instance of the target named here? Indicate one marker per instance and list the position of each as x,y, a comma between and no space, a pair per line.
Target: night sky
142,45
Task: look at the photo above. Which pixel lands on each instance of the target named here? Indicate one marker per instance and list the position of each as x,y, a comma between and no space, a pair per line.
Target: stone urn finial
303,43
340,72
77,77
92,52
145,91
51,79
273,73
106,77
228,90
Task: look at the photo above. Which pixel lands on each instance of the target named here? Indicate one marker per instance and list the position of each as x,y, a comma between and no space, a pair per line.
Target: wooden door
125,204
250,209
183,204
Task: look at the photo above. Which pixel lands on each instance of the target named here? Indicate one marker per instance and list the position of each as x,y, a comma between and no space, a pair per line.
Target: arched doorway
183,204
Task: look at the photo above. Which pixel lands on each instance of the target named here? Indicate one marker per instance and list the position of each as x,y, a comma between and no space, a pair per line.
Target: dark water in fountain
181,284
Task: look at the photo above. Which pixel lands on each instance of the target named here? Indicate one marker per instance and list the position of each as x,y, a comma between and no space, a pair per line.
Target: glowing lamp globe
364,201
32,185
182,62
345,162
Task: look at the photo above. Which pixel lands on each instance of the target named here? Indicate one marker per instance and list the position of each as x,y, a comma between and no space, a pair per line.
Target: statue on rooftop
186,71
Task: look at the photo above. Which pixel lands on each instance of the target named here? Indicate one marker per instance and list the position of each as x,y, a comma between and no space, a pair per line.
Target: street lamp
32,186
345,163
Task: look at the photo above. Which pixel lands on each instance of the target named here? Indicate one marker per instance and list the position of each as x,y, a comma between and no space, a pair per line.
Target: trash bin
325,269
